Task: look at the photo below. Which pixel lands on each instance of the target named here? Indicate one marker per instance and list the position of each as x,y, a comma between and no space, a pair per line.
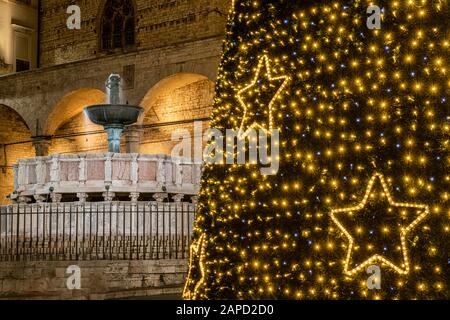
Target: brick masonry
99,279
159,23
34,95
12,130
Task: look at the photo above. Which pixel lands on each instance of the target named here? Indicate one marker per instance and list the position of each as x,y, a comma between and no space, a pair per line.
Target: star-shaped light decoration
196,254
396,217
249,118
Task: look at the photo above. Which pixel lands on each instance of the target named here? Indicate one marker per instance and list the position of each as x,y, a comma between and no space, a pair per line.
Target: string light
197,252
353,107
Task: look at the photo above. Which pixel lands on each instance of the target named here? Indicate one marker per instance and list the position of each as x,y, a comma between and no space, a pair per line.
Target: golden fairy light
358,111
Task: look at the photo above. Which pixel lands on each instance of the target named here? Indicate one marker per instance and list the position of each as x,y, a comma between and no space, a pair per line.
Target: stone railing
83,175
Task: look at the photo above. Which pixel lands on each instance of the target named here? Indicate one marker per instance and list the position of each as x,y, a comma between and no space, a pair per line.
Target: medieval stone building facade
167,51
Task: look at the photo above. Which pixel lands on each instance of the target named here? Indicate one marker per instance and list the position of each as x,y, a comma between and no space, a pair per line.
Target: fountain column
41,144
114,134
114,97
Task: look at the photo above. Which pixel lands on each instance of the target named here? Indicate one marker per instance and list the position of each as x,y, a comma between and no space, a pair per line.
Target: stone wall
188,102
79,135
13,131
99,279
158,23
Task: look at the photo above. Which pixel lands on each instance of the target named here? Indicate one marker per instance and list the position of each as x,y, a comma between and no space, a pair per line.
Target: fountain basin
114,115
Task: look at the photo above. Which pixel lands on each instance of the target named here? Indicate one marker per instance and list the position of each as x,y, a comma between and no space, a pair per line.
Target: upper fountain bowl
114,115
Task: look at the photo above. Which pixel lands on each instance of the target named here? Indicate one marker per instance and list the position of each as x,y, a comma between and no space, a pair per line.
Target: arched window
117,24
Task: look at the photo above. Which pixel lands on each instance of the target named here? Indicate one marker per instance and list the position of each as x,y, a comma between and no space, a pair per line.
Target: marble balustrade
45,179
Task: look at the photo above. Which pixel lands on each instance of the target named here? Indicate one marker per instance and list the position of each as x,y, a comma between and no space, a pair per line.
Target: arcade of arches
173,103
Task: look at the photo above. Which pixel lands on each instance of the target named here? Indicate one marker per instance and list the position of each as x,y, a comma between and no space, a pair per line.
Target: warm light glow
405,268
364,154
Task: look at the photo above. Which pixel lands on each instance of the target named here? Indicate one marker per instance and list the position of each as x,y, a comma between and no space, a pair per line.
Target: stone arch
175,102
71,105
22,108
165,89
15,143
70,128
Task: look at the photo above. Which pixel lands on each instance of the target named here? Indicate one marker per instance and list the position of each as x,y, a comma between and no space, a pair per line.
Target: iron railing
96,231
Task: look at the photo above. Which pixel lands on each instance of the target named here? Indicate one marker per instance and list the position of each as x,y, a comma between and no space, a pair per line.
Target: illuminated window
117,25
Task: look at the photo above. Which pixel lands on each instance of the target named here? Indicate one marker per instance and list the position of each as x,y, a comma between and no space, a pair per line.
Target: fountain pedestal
114,134
41,144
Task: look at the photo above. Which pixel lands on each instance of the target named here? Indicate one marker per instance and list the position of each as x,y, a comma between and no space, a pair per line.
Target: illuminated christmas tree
359,208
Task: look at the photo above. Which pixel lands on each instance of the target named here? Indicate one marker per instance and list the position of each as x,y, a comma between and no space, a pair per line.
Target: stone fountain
114,115
103,207
107,176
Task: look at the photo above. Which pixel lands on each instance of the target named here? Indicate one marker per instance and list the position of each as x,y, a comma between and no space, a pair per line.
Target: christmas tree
359,207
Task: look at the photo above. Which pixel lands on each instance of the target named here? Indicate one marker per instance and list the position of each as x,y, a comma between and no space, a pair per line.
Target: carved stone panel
31,173
96,170
187,173
120,170
69,171
147,171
